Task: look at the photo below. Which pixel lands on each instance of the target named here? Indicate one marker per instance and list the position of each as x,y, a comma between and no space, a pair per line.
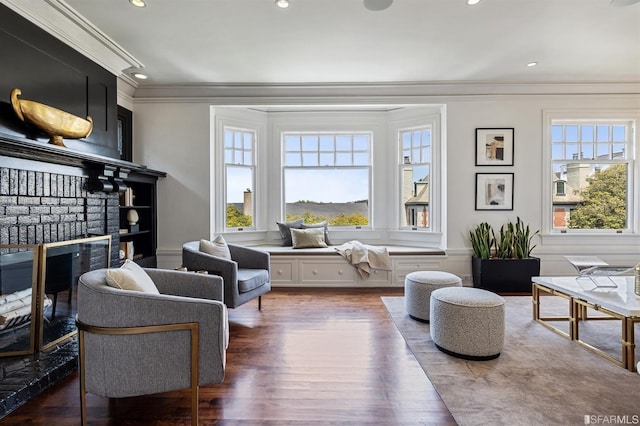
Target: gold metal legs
190,326
578,312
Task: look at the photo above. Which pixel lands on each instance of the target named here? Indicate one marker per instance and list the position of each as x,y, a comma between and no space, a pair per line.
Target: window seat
325,267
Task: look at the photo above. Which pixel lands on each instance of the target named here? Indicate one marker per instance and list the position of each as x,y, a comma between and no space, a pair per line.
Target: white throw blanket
365,257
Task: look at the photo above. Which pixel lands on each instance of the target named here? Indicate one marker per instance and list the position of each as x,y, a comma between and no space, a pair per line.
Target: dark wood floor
321,356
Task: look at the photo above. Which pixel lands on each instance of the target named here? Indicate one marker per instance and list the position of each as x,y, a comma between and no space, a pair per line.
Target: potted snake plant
503,262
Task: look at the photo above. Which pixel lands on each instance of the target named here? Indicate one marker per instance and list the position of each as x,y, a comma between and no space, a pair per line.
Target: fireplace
57,219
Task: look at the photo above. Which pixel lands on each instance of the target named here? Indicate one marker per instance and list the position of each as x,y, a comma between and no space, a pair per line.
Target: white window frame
421,117
552,117
246,120
368,167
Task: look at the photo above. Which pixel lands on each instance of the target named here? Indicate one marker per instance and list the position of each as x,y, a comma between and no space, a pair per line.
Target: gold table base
578,312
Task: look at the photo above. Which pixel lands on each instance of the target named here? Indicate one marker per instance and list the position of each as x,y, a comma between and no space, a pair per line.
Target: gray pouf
418,287
467,322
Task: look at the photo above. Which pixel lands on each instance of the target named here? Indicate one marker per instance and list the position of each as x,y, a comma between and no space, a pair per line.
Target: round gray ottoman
418,287
467,322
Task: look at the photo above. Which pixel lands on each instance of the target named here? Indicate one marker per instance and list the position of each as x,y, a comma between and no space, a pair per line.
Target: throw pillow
217,247
322,224
130,276
285,231
308,238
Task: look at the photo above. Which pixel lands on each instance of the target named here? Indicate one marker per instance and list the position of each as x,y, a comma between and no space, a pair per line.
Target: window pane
587,151
587,134
406,141
556,134
326,143
310,160
291,143
318,195
228,156
619,134
602,133
360,159
619,151
228,138
326,159
571,133
557,151
603,151
248,158
292,160
309,143
594,197
343,159
571,151
426,137
343,143
415,196
239,197
361,143
248,140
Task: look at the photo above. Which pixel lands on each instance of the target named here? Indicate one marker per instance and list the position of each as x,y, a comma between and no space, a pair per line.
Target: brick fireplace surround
42,203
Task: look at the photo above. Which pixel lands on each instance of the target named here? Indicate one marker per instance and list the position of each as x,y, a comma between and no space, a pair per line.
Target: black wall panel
48,71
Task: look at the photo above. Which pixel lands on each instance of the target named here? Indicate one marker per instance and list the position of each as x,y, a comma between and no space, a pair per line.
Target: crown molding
61,21
371,92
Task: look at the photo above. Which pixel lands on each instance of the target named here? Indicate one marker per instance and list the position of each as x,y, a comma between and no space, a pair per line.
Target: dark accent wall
48,71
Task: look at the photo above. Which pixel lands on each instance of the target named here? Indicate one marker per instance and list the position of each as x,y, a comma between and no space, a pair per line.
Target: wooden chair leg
259,303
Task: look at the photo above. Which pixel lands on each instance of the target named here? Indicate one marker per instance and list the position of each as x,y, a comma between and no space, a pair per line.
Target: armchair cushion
249,279
131,277
217,247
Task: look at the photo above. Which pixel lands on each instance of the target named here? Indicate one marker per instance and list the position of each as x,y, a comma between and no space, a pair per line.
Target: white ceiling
340,41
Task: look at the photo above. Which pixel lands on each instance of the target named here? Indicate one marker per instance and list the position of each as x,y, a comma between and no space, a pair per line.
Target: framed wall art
494,191
494,147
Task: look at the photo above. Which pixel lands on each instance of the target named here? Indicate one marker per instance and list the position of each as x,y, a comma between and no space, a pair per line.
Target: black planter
504,275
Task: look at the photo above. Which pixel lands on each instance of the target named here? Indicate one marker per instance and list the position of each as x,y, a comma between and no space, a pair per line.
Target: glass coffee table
615,302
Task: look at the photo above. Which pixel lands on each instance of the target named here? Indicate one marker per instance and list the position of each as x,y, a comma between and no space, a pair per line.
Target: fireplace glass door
18,285
38,291
60,267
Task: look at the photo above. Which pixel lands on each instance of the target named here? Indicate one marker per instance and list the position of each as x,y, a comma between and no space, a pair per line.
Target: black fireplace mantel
94,164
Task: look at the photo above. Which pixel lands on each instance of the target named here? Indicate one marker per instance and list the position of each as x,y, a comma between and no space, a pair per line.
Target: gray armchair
246,276
133,343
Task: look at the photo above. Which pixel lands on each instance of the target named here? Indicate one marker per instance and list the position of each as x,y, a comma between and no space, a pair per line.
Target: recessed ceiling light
377,5
138,3
140,76
282,4
472,2
532,64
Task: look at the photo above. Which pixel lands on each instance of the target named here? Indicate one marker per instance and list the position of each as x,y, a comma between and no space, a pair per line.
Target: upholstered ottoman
467,322
418,287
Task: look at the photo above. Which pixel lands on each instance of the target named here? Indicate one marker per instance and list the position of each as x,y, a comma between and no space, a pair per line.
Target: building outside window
415,146
239,169
327,176
592,174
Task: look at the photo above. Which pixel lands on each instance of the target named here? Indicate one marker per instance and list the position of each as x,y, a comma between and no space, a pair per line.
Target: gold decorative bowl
54,122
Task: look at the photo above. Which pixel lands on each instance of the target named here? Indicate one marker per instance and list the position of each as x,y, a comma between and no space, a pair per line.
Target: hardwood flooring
311,356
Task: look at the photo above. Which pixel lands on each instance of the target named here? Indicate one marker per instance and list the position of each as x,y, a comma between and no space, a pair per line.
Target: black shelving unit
143,238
